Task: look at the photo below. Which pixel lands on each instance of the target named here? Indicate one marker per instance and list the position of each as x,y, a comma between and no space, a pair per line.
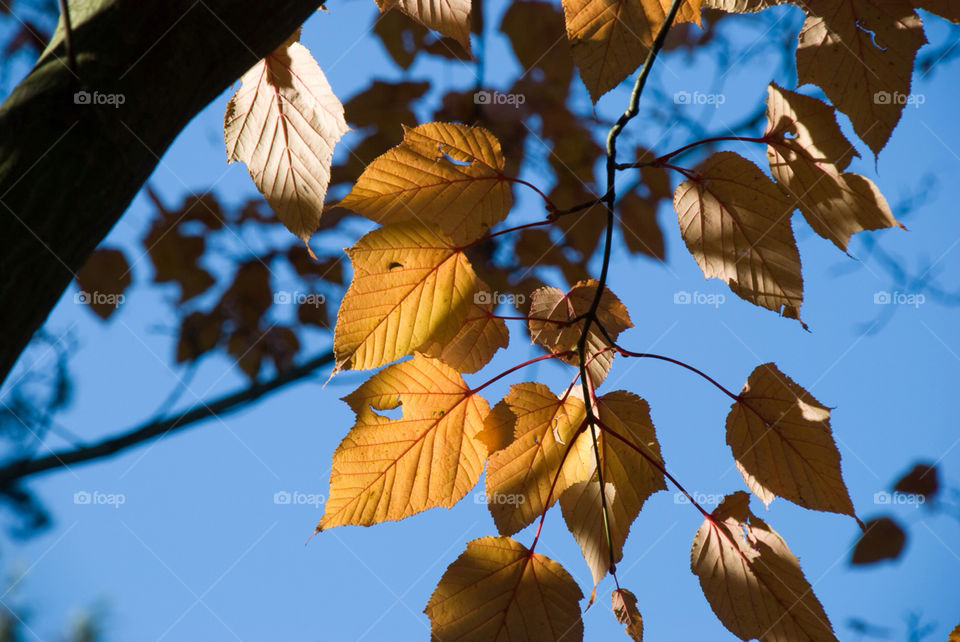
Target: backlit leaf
445,174
751,579
388,469
736,223
283,123
410,285
480,336
610,38
781,439
949,9
449,17
550,309
519,477
500,591
625,609
861,53
808,154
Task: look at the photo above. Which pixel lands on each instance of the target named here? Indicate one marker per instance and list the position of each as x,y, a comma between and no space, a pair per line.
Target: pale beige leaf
410,285
449,17
499,591
472,347
808,153
388,469
283,123
781,439
625,609
628,477
610,38
861,53
520,476
550,308
447,174
753,582
736,223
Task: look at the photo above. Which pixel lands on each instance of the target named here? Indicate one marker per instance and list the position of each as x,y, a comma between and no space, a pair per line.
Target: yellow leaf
808,154
410,285
283,123
446,174
499,591
480,336
550,306
736,223
519,477
861,53
625,609
388,469
449,17
781,438
751,579
628,477
610,38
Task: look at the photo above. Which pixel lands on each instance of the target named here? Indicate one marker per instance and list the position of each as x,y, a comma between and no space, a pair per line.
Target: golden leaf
625,610
449,17
388,469
498,590
520,476
751,579
781,438
736,223
445,174
478,339
283,123
411,285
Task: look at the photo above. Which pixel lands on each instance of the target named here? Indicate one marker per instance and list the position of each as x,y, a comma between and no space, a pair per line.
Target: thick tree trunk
69,166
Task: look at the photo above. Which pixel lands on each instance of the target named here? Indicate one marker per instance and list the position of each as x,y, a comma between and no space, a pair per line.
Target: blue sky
199,550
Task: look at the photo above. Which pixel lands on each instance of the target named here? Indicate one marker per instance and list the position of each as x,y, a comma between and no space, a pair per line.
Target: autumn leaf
551,309
781,439
410,285
751,579
625,610
388,469
446,174
628,477
808,153
954,634
861,53
102,280
497,431
478,339
449,17
736,223
610,38
283,123
638,222
520,476
882,539
498,590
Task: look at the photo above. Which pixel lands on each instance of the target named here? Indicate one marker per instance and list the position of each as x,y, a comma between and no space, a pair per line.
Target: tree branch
21,468
70,165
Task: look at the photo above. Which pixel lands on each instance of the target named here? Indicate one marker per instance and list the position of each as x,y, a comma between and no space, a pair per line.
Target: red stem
546,505
648,355
546,199
503,374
